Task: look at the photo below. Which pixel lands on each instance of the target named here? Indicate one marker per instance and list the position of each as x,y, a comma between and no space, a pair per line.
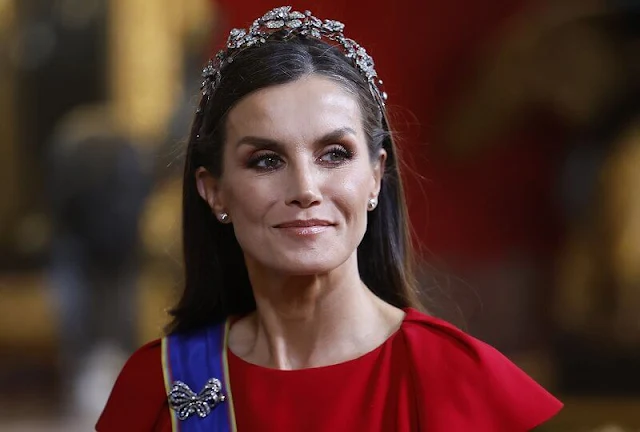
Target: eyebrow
277,146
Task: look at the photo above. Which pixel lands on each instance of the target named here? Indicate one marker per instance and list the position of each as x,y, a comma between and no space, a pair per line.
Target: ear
378,172
209,189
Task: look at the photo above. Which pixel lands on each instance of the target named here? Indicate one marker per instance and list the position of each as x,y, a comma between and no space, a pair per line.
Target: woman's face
297,176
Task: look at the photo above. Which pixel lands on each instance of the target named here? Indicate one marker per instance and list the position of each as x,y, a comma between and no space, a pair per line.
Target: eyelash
340,151
255,160
344,153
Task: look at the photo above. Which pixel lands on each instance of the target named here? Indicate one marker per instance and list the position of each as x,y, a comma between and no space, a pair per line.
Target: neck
312,321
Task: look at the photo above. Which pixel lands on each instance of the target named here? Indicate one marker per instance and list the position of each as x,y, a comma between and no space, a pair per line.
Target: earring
223,217
373,202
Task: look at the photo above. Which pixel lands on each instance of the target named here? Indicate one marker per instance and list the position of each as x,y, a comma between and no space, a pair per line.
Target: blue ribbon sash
197,360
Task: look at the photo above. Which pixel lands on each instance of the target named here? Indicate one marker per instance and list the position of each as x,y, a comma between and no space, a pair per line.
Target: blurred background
519,122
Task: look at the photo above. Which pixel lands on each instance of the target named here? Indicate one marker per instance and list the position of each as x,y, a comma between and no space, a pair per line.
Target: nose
303,189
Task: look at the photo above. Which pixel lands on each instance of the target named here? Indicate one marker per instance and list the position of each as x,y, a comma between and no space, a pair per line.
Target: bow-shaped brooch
186,403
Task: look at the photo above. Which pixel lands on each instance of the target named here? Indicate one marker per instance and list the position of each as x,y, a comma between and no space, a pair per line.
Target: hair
216,280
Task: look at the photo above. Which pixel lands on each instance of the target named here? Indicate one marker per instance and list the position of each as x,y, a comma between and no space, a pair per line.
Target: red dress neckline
233,357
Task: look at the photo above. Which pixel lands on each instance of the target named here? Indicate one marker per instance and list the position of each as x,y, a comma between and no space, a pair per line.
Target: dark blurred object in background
54,58
98,186
598,291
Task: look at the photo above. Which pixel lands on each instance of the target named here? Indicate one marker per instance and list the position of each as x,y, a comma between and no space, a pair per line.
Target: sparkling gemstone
275,24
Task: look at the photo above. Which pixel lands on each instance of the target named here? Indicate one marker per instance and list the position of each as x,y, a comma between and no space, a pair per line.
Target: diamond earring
373,202
223,217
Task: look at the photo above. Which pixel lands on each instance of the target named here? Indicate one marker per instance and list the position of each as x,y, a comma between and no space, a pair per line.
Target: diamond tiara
285,22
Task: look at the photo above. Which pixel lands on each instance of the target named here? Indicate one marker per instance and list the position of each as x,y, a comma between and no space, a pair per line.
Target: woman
299,310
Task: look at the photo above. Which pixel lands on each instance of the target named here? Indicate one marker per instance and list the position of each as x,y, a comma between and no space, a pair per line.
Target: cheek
249,199
351,192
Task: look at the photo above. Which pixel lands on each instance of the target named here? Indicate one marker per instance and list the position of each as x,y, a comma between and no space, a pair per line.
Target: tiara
287,23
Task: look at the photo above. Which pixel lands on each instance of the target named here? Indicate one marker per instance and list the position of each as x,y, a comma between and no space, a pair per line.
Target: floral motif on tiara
288,23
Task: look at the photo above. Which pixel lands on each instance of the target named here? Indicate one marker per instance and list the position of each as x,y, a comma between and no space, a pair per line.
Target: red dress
428,376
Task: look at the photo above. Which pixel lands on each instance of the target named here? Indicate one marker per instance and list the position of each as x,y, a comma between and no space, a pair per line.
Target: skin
297,177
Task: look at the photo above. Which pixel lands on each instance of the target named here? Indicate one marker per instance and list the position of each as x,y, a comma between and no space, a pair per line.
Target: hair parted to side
216,280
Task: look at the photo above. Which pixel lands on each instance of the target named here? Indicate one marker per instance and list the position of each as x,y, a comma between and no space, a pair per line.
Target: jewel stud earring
373,202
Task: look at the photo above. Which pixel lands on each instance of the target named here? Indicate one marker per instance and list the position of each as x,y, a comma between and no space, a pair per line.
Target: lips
304,228
305,223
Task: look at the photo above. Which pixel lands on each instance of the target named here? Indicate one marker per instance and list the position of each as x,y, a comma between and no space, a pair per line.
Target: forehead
301,109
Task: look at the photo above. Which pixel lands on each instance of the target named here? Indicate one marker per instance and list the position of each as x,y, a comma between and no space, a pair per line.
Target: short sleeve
464,384
520,403
138,398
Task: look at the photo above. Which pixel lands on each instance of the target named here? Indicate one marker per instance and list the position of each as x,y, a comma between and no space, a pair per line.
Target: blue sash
194,359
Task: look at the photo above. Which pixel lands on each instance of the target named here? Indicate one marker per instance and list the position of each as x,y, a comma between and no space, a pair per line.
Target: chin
305,268
301,265
301,261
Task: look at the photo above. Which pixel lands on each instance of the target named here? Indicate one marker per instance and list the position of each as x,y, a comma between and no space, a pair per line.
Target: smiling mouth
305,227
306,223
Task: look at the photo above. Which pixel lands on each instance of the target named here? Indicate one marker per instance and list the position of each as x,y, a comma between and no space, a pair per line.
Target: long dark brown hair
216,280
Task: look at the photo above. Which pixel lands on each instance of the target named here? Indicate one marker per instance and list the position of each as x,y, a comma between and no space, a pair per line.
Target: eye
336,155
265,162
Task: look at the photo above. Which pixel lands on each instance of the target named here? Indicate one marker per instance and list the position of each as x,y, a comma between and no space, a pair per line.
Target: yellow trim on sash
227,379
166,372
